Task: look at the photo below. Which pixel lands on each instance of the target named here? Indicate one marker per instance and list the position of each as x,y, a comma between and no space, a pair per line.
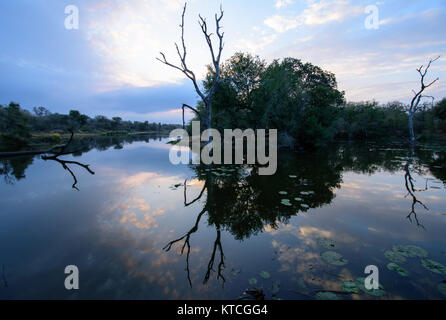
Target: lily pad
292,177
433,266
333,258
374,292
326,243
410,251
327,296
286,202
401,271
350,287
283,192
252,281
235,272
394,256
442,288
303,205
275,288
265,275
298,199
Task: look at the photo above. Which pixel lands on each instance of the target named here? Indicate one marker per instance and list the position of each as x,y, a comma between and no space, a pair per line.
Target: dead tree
418,96
215,55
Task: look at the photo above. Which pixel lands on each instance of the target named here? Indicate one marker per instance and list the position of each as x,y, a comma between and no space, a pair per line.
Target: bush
52,138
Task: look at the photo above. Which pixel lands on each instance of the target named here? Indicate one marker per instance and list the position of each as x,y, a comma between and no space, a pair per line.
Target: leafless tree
215,55
418,96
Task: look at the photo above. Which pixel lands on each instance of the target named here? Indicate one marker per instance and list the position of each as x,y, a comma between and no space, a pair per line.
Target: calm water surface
141,228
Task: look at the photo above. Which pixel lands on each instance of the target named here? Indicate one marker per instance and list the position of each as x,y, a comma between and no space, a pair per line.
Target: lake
142,228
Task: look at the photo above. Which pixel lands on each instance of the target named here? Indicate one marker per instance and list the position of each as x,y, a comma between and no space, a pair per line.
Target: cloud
139,179
316,13
173,4
108,66
325,11
282,24
378,64
283,3
145,219
124,35
145,99
129,35
255,45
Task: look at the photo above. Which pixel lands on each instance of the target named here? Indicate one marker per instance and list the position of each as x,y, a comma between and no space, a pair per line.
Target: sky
108,65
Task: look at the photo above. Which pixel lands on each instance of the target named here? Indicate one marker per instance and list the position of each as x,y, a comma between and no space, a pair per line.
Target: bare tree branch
184,69
216,58
191,108
418,96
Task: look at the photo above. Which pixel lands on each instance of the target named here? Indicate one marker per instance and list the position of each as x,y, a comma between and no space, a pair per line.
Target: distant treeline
17,124
303,102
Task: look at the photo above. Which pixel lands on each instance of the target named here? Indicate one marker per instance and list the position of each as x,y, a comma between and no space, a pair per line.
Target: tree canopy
304,103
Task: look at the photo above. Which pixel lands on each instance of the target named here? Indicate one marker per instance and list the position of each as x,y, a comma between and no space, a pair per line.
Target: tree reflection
12,168
237,200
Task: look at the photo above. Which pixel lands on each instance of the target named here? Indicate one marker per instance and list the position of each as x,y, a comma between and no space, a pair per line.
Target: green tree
16,131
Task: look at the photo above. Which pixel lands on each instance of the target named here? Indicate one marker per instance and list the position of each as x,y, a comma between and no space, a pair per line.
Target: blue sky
108,65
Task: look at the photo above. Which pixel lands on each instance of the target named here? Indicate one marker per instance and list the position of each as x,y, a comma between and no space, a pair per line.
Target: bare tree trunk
412,133
418,96
216,57
209,115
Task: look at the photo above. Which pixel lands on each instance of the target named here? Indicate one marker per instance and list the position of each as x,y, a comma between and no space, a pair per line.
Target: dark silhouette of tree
207,98
418,96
